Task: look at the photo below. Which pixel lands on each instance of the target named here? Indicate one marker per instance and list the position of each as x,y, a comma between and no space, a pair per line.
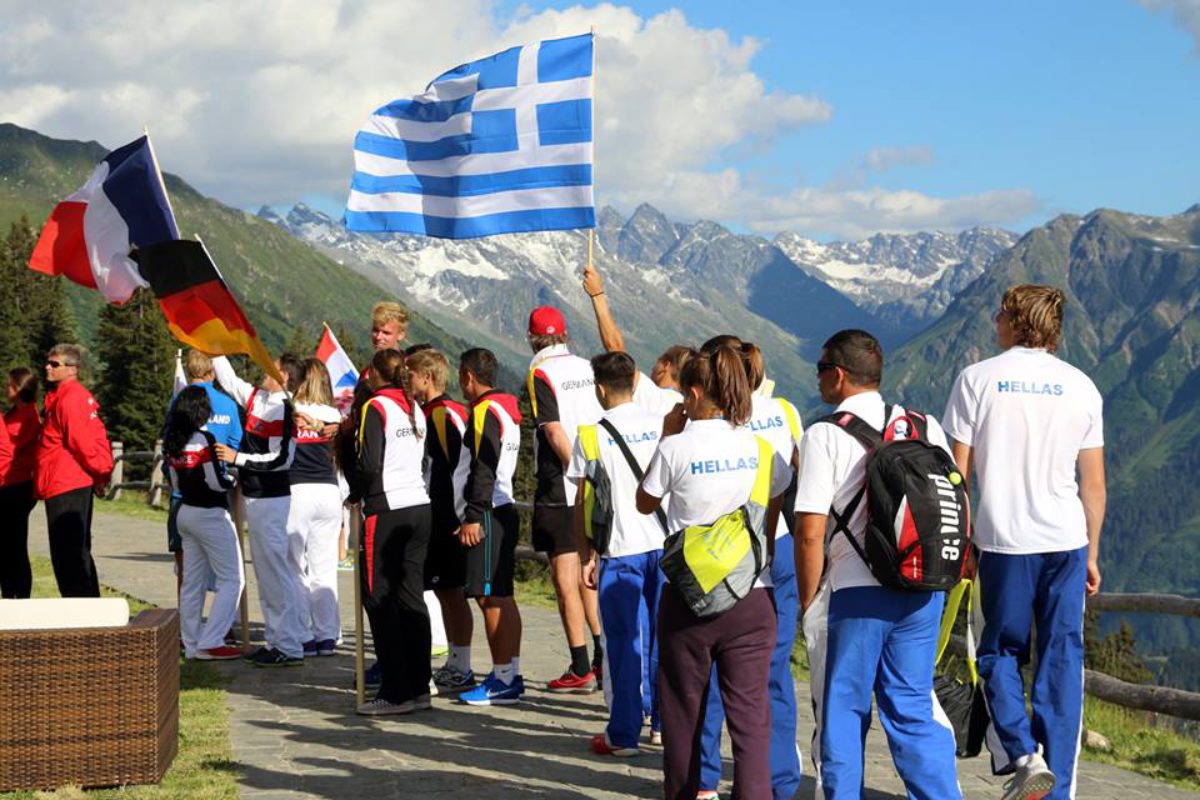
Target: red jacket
23,427
73,452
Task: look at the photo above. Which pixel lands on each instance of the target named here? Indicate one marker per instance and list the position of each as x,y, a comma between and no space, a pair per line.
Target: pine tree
301,343
139,358
34,311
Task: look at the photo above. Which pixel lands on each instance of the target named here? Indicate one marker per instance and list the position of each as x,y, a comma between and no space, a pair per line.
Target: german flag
200,309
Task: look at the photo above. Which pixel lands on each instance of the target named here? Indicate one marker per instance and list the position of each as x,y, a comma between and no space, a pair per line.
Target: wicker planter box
89,706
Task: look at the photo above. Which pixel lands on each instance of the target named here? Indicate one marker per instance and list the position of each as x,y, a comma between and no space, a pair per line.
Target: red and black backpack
918,511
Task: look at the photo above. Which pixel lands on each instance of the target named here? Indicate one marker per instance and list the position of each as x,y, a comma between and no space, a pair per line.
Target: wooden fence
152,486
1137,696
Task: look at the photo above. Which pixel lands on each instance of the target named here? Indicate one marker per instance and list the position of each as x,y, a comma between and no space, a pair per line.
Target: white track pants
314,522
210,548
280,589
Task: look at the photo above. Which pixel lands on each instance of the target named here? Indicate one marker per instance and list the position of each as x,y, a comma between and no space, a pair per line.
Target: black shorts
446,561
494,558
554,530
174,541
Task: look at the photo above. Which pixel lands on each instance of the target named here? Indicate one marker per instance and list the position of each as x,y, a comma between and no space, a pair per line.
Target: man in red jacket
74,459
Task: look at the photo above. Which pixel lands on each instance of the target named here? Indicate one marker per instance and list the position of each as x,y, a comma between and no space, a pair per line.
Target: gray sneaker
1032,781
380,707
451,681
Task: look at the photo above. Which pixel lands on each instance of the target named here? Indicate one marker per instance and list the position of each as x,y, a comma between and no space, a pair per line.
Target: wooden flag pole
243,604
360,689
158,172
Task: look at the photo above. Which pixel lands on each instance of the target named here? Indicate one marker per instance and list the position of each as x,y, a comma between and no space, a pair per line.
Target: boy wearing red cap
563,397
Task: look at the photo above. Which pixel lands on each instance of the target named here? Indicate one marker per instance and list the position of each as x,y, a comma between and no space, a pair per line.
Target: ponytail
389,370
720,373
751,355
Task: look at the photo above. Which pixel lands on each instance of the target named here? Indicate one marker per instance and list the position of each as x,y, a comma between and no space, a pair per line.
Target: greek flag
499,145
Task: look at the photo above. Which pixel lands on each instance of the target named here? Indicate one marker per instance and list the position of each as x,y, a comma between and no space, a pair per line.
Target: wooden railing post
154,496
118,474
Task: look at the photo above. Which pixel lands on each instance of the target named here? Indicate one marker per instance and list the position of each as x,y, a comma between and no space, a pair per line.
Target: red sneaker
570,683
222,653
601,746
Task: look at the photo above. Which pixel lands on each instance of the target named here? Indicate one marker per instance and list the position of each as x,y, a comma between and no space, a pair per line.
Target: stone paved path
295,734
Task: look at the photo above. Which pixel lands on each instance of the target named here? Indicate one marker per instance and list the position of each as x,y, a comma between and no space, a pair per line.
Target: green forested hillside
1132,323
281,282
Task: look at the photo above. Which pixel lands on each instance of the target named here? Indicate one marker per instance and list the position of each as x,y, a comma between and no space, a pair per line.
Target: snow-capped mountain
907,280
667,282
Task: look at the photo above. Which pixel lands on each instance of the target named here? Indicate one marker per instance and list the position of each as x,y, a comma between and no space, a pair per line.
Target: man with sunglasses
74,460
863,638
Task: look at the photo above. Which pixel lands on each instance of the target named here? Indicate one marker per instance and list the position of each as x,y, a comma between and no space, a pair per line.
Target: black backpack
918,512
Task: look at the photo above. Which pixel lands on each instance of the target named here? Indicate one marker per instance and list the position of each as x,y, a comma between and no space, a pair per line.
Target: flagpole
591,241
161,182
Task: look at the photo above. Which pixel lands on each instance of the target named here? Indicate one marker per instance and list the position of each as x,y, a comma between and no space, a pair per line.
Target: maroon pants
740,642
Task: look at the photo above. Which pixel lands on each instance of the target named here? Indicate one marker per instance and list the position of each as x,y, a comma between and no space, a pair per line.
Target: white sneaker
1032,781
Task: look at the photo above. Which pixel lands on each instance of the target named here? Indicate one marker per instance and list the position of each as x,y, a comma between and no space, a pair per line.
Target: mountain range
1132,323
669,282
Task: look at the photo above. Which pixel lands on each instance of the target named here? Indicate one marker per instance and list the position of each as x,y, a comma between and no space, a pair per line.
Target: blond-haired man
1030,424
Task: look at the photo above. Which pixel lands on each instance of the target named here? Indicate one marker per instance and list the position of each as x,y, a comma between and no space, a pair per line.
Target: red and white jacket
73,452
391,452
268,444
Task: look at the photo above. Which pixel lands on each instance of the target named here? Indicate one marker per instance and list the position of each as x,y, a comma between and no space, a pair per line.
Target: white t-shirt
832,470
650,396
708,470
777,421
1027,414
632,533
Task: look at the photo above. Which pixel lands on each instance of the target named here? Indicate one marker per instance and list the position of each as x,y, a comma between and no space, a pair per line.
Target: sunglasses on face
825,366
56,364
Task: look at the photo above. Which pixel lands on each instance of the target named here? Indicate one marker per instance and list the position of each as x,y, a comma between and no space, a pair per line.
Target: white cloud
1185,12
259,102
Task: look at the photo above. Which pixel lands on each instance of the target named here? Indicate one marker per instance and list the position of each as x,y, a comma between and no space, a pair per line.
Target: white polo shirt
652,397
1027,414
708,470
632,533
832,470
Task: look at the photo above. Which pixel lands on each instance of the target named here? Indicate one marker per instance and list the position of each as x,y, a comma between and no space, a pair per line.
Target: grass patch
133,504
1156,752
534,586
204,767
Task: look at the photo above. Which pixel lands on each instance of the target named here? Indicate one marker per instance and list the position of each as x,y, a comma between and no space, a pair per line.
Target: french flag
342,373
89,236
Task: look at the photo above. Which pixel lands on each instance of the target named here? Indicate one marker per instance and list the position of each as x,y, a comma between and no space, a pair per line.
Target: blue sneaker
494,692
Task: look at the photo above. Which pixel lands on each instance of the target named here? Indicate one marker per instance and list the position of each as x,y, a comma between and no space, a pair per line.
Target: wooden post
242,604
360,688
154,496
118,473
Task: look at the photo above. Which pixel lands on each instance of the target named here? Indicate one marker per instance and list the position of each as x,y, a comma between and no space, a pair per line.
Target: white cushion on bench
63,612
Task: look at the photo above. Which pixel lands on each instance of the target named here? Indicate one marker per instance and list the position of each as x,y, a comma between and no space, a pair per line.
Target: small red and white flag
89,236
342,373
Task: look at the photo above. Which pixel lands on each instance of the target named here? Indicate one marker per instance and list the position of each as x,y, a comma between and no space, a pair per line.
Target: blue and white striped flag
499,145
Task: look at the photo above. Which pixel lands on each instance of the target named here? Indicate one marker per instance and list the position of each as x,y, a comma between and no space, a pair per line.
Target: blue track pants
1018,593
884,641
785,755
629,590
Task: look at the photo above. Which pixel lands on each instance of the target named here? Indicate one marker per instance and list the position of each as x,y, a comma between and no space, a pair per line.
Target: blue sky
835,119
1087,103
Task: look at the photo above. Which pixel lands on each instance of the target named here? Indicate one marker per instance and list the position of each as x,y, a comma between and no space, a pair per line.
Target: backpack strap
761,493
854,425
870,439
636,468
